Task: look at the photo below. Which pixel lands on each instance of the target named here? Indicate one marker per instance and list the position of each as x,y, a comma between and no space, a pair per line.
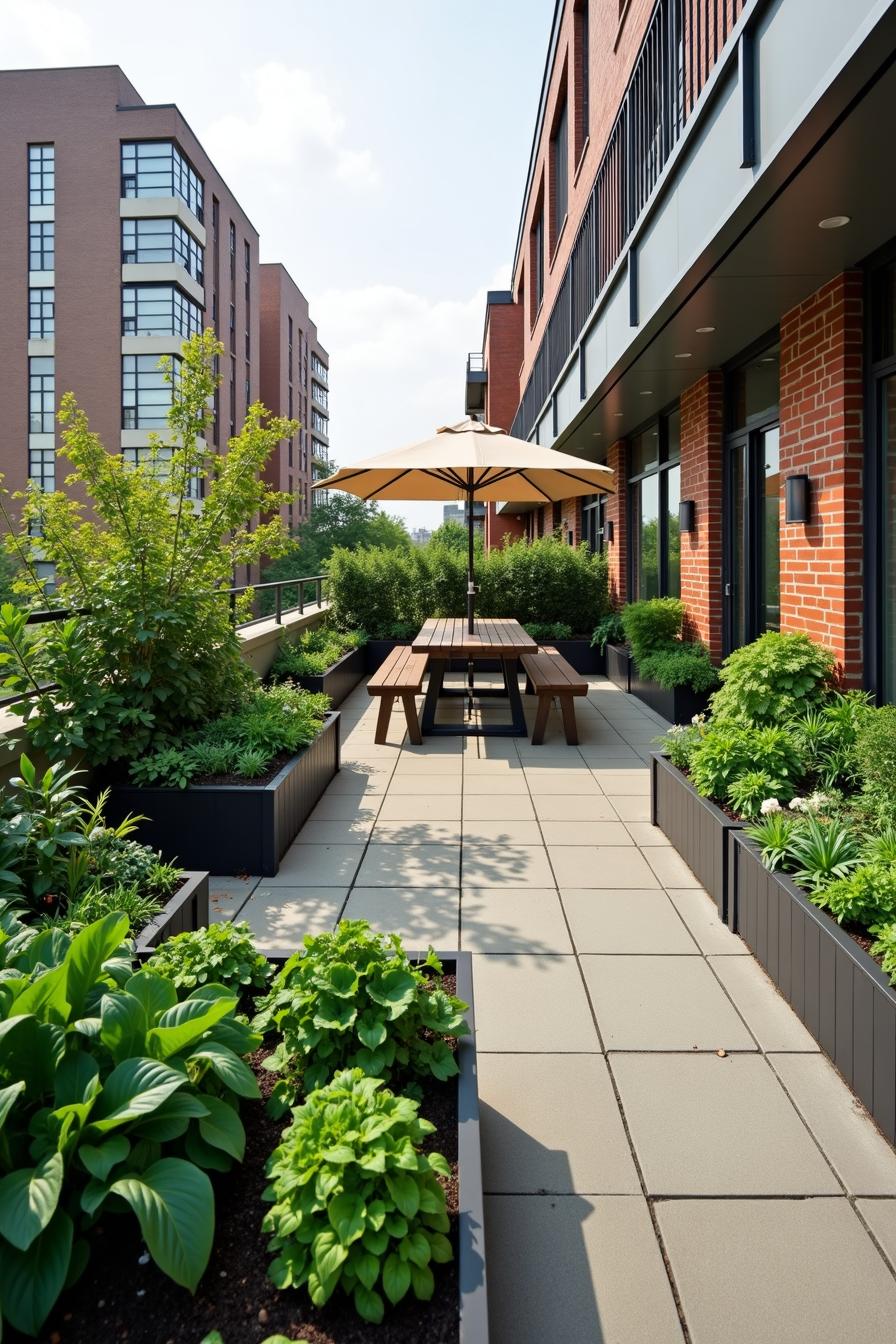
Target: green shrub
682,664
881,848
652,625
112,1094
313,653
876,762
774,835
820,852
351,999
729,750
884,947
94,902
271,721
222,954
867,896
777,677
609,630
545,632
749,790
827,738
681,741
356,1201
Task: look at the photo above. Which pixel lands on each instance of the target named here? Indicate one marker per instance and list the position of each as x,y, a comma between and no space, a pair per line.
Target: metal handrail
476,362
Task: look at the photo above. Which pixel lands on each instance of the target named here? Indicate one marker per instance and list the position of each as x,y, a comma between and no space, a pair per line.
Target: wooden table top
497,637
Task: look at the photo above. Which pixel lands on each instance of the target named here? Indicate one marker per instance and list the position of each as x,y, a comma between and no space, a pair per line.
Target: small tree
340,520
156,651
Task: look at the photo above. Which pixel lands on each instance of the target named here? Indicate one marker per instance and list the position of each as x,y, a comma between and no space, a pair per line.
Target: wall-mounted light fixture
609,529
797,499
687,516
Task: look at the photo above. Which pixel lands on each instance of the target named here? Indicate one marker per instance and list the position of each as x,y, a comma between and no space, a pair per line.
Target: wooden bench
399,675
549,675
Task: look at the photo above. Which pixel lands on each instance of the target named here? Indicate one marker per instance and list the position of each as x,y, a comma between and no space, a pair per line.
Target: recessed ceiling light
703,331
767,359
684,354
648,393
834,222
619,414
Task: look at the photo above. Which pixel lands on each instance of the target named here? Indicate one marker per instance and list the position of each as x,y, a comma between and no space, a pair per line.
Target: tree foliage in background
157,651
340,520
455,536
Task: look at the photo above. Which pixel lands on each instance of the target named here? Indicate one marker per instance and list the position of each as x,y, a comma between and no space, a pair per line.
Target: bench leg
410,713
568,710
541,719
382,722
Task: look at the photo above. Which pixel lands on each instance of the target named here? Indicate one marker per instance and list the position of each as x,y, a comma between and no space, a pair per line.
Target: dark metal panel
884,1099
827,1002
863,1037
843,1057
798,961
811,1015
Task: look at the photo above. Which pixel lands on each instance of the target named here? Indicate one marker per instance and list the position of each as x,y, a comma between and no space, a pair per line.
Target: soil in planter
120,1301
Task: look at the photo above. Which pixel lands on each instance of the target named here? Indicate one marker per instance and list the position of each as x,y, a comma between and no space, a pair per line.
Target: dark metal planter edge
340,678
837,990
184,913
702,838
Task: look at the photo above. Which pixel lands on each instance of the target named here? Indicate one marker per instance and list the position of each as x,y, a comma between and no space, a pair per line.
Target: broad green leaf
28,1200
123,1030
231,1070
346,1215
334,1014
31,1281
438,1164
368,1304
422,1282
134,1088
204,1154
184,1024
100,1159
175,1207
155,993
7,1099
371,1030
367,1268
86,955
341,980
169,1121
375,1240
28,1053
395,990
396,1278
76,1074
222,1128
441,1061
405,1191
329,1256
45,997
440,1247
416,1248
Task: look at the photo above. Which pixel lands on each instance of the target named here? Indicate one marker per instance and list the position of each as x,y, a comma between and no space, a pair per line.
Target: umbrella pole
471,586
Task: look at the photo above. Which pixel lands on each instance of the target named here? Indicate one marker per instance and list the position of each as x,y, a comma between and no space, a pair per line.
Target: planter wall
339,680
840,994
678,706
696,827
184,913
376,651
234,828
619,666
580,655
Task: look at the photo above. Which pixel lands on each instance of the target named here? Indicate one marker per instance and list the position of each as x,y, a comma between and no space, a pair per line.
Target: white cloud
291,122
42,33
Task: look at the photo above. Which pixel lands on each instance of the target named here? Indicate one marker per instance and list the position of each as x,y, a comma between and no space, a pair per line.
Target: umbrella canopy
472,456
471,461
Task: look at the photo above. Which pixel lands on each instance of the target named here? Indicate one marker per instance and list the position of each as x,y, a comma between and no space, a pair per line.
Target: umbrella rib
584,479
545,497
502,474
385,485
446,474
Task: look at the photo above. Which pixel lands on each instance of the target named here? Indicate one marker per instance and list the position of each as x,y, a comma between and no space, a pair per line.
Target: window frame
38,379
42,228
146,366
37,303
182,249
42,193
184,181
661,469
179,306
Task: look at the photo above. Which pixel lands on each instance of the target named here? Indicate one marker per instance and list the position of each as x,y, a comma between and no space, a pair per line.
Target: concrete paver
630,921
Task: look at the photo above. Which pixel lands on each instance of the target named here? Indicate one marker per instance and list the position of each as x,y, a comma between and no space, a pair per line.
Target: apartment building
118,240
704,298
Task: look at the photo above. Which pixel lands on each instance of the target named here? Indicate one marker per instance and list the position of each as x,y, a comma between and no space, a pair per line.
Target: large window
654,496
319,368
752,564
41,395
319,423
319,394
157,168
145,394
160,459
537,264
41,314
560,170
41,245
41,175
160,241
42,467
159,310
593,520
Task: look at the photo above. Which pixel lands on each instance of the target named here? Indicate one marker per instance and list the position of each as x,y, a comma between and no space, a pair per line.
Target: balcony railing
475,362
683,43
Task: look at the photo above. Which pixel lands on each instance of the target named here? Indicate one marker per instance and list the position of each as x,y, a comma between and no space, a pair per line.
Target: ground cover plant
352,999
113,1096
223,954
61,861
313,653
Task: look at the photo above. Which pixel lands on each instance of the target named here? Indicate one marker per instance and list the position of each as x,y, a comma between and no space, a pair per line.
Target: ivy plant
111,1094
224,954
352,999
356,1202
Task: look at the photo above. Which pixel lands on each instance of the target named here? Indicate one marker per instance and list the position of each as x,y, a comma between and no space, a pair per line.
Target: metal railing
682,45
475,362
315,582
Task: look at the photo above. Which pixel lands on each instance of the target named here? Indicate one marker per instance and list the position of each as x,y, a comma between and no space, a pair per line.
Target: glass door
752,560
769,464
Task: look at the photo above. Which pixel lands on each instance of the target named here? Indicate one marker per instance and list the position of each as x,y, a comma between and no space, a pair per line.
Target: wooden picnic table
446,638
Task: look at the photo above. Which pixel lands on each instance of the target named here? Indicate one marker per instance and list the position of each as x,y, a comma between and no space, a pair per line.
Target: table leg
512,684
437,668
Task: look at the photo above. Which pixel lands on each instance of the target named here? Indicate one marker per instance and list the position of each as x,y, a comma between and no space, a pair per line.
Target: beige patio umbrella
471,461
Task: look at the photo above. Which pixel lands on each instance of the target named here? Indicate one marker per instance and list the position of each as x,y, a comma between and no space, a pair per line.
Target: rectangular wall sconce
609,529
687,516
797,499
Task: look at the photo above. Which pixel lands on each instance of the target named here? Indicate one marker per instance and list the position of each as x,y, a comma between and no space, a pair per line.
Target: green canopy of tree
454,535
339,520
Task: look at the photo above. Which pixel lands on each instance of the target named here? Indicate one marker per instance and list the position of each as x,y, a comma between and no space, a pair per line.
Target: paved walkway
667,1155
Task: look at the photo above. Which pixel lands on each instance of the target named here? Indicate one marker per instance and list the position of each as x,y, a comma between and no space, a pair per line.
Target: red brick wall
498,527
822,437
617,514
503,355
701,481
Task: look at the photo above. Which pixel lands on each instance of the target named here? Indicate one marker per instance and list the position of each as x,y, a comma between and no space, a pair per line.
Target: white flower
817,801
770,805
799,805
698,720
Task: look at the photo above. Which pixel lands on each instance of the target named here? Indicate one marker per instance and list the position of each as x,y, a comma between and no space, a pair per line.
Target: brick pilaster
617,513
701,481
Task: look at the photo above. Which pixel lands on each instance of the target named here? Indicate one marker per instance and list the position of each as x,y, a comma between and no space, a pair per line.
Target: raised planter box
678,706
233,828
185,912
580,654
838,992
696,827
376,651
619,666
340,679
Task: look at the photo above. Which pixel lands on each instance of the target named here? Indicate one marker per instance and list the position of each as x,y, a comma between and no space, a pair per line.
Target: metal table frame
494,636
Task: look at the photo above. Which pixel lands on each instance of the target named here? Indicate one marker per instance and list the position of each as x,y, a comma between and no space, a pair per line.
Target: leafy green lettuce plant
356,1202
223,954
111,1094
352,999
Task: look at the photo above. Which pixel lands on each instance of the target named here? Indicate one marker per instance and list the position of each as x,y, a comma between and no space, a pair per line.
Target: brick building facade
704,299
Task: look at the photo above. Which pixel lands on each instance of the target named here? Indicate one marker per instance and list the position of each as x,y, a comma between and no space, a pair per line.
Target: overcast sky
379,149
